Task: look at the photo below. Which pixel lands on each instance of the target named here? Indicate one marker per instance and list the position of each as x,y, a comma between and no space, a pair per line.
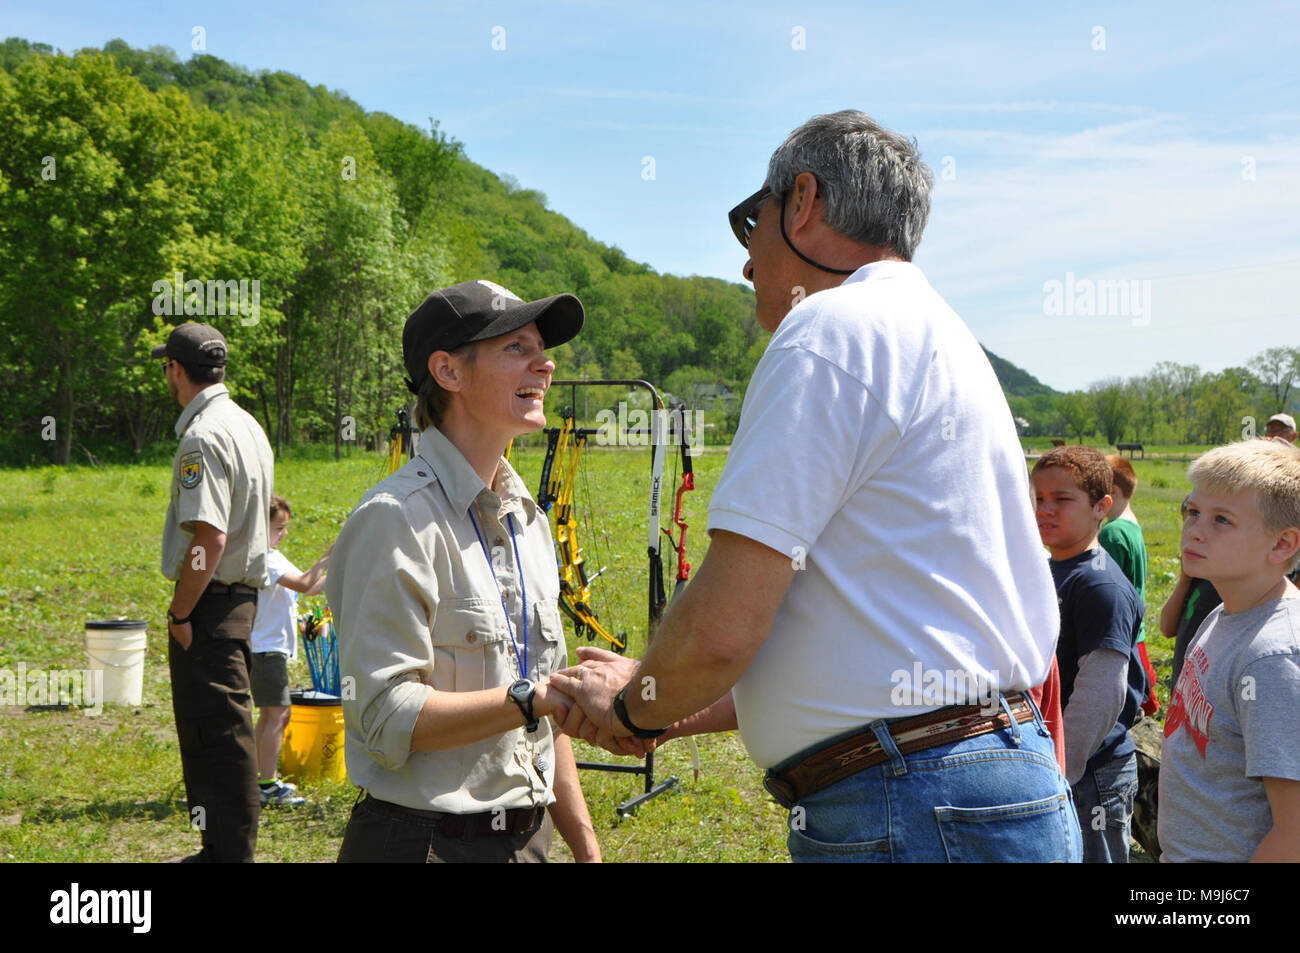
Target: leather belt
516,820
221,589
841,759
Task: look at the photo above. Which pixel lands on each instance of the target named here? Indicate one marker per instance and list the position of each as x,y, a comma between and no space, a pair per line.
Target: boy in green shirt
1122,538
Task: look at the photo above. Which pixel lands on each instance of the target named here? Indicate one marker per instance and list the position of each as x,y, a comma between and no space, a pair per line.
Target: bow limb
687,485
658,595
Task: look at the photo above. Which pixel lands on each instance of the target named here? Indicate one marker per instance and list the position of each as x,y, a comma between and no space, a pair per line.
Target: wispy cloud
1043,106
1149,200
599,93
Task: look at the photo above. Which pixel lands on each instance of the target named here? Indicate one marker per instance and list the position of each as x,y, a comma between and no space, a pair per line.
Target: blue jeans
999,796
1104,798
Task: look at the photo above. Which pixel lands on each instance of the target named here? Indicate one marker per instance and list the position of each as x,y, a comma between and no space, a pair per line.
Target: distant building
714,397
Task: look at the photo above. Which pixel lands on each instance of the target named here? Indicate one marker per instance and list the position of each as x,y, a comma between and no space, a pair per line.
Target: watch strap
620,711
172,620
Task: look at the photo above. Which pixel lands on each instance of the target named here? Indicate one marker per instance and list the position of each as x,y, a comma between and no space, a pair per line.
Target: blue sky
1159,144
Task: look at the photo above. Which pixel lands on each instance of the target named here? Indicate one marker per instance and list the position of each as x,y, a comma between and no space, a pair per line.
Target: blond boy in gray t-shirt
1230,768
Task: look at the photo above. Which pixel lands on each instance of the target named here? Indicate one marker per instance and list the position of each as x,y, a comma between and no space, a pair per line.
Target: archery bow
565,445
557,449
687,485
658,596
400,440
679,545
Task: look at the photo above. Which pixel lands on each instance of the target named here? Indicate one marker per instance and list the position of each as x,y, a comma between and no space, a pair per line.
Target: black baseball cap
193,343
475,311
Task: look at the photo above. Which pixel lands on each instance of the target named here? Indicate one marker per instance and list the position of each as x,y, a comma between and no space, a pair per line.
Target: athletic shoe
280,794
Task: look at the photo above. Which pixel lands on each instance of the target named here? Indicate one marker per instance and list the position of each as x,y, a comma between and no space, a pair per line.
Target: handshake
582,702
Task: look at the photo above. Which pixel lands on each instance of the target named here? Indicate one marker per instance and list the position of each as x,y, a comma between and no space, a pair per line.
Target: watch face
521,687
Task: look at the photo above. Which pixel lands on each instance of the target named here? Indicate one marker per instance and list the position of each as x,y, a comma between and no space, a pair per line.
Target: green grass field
83,543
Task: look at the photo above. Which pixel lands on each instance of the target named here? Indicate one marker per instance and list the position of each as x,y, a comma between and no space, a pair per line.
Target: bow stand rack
555,494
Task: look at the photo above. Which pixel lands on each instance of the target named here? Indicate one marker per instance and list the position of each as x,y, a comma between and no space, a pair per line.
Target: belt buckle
535,816
780,789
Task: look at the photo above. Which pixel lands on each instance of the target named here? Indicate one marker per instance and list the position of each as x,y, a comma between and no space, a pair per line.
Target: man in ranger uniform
215,549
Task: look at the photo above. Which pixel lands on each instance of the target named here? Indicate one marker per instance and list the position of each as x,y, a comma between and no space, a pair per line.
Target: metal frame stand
652,788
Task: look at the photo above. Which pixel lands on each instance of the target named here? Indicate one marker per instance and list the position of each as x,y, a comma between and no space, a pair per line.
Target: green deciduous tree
1112,408
1075,410
100,183
1278,369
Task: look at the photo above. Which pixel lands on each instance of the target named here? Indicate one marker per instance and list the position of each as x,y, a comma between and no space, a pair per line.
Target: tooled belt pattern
910,735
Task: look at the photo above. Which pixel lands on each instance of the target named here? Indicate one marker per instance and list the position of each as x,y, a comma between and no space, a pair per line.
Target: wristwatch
172,620
521,693
620,709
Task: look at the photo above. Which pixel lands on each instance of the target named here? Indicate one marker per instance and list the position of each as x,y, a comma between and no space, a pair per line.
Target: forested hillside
122,168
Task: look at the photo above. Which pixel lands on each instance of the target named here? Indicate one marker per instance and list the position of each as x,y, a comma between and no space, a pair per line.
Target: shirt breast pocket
471,650
550,624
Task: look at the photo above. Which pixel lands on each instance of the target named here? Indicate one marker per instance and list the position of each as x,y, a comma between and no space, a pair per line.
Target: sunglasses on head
742,216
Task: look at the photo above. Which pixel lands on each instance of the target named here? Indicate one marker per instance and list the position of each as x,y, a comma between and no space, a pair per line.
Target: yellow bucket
313,742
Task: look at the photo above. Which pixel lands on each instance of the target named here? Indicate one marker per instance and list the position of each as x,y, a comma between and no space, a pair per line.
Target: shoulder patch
191,469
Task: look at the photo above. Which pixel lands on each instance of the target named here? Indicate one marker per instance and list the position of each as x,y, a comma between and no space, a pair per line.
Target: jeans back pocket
1030,831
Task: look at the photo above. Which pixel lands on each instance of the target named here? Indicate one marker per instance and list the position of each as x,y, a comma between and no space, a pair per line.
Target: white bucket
116,648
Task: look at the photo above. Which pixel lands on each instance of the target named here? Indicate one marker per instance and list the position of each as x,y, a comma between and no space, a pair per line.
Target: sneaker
280,794
287,785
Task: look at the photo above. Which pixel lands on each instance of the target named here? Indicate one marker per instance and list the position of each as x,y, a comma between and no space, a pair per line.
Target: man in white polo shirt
875,599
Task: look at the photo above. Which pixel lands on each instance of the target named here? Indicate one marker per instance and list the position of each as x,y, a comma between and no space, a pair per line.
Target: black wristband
620,710
172,620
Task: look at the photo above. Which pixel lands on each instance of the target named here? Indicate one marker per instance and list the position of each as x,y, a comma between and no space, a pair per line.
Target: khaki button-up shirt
417,610
222,474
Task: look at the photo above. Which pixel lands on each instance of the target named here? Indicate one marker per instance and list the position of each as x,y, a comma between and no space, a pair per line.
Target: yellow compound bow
400,441
564,446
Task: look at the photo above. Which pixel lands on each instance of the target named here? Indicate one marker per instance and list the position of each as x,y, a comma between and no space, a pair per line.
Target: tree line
1171,404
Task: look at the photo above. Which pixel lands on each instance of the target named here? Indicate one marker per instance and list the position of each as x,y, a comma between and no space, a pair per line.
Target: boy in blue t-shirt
1102,678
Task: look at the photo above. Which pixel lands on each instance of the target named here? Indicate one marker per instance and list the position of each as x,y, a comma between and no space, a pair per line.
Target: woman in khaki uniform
445,592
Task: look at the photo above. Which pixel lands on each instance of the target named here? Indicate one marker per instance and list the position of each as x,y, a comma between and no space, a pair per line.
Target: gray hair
876,188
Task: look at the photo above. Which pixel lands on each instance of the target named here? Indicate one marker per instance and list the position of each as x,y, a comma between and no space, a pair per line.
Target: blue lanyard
523,663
